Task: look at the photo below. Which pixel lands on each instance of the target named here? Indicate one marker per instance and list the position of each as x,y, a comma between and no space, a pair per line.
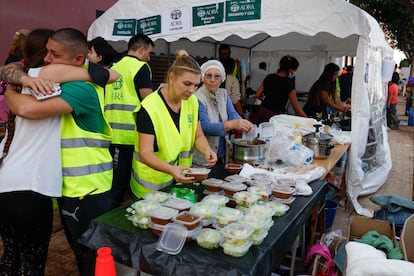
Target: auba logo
176,14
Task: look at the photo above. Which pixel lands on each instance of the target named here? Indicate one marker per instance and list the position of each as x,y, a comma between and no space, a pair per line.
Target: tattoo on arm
14,72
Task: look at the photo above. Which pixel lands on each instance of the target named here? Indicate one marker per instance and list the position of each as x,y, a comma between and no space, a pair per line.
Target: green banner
240,10
208,14
150,25
125,27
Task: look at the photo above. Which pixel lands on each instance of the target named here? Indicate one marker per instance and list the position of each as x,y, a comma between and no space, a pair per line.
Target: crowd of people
83,125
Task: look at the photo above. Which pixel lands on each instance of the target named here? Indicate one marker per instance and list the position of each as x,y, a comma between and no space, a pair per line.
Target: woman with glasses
216,111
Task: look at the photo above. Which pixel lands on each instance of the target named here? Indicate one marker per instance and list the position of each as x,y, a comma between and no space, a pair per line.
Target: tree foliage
396,18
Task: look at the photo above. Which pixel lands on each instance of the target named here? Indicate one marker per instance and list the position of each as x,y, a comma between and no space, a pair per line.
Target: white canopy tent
315,32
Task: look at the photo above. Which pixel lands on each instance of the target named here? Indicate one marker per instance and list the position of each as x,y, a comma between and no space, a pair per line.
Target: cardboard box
359,226
407,239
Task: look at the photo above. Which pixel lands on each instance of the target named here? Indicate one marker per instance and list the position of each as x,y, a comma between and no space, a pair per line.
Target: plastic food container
263,191
260,211
144,207
283,192
178,203
237,178
257,238
230,188
158,229
279,208
212,184
256,222
236,250
161,197
233,167
172,239
257,176
288,201
188,220
237,233
209,238
287,182
219,200
267,183
204,210
245,199
163,215
227,215
198,173
142,222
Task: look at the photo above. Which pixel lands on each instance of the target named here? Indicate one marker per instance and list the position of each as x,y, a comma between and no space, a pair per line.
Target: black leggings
26,219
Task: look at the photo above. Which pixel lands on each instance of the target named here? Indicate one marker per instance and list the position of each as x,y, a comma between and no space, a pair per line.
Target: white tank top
33,162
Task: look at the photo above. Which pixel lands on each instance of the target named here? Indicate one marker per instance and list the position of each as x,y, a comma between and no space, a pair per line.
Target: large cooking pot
248,150
319,143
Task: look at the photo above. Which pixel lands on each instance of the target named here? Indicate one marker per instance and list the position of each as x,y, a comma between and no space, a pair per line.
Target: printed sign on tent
124,27
176,21
208,14
150,25
240,10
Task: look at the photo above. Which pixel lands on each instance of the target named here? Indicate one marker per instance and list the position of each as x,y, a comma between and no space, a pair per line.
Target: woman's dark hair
104,49
324,82
228,65
34,48
287,63
395,77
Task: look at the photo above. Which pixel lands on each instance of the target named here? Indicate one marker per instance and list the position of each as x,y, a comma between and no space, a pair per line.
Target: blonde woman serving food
169,129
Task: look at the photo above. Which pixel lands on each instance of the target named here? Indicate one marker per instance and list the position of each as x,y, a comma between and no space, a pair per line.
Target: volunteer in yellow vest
85,139
168,129
122,101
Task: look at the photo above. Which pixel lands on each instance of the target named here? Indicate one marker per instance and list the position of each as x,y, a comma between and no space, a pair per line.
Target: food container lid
186,218
227,212
144,207
220,200
237,178
260,211
257,222
237,249
262,182
278,207
234,186
204,209
287,182
237,231
164,213
210,235
161,197
199,171
256,176
178,203
245,196
212,182
172,239
285,201
260,190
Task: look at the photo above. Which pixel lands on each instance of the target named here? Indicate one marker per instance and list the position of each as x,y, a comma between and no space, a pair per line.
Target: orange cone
105,265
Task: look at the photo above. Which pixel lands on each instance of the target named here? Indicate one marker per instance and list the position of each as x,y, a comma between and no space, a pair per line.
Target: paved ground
61,260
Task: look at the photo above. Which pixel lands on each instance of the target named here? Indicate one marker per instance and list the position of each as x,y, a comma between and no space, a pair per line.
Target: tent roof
318,25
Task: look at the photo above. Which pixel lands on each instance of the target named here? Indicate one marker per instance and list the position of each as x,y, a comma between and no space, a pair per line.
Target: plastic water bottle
296,134
105,265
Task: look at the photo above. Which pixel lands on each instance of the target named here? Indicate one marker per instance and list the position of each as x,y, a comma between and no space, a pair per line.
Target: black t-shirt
276,92
145,125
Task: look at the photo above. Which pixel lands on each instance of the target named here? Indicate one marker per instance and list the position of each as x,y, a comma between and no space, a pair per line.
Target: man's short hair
74,40
138,41
262,65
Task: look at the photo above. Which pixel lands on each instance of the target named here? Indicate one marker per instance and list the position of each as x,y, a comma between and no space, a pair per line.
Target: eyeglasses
212,77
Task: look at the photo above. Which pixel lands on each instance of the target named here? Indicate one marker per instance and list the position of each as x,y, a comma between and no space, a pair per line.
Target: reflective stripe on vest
84,142
88,169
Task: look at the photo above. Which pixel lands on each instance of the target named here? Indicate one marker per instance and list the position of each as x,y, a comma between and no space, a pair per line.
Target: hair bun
181,53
